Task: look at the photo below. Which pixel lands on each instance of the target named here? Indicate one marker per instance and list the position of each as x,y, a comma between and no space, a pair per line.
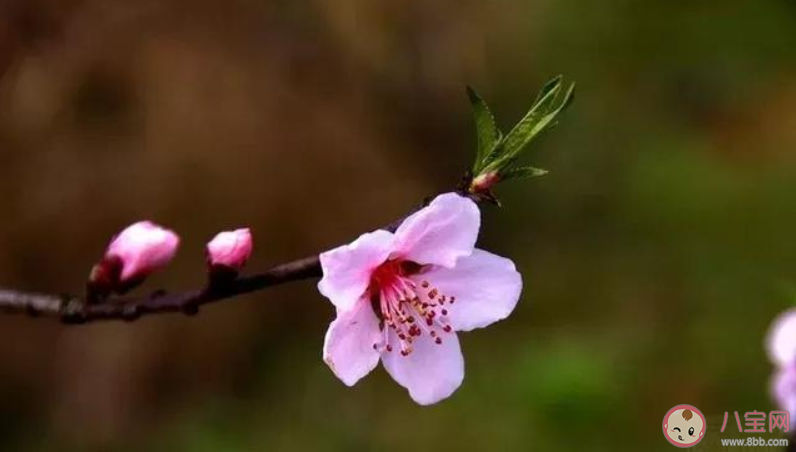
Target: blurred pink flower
401,297
783,390
781,342
781,348
142,248
230,249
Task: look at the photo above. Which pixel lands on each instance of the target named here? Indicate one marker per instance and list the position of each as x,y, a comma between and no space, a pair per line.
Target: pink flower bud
142,248
139,250
230,249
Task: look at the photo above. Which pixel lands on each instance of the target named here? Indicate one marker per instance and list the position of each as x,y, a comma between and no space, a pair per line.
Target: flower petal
487,287
783,389
441,232
230,248
347,269
348,346
432,372
781,340
143,248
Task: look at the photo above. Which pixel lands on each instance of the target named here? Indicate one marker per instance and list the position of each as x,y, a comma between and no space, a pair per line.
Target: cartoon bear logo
684,426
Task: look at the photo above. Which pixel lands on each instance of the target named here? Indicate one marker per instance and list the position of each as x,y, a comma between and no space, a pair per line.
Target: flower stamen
400,300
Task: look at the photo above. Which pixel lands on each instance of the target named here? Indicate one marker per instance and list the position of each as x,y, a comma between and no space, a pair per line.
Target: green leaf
523,172
487,131
555,82
521,134
542,116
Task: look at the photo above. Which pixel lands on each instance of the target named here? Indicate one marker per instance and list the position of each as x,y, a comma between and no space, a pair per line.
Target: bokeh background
655,253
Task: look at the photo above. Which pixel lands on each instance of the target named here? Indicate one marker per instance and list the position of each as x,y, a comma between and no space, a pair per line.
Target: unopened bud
484,182
135,253
228,252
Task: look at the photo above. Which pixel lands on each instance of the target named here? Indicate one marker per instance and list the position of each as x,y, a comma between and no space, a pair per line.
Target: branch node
130,312
72,310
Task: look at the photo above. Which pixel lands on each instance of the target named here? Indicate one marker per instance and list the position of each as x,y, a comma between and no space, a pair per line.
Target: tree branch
75,310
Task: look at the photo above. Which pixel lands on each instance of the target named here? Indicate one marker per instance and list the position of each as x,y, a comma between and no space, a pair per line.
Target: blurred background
655,253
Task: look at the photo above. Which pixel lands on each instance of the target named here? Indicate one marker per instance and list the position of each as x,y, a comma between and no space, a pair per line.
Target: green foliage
496,153
523,172
487,130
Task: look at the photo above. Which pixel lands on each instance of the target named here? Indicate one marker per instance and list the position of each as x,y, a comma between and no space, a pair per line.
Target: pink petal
432,372
143,248
781,340
487,287
441,232
230,248
348,347
347,269
783,388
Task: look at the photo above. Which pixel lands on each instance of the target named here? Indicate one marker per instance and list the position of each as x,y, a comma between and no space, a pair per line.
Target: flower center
407,304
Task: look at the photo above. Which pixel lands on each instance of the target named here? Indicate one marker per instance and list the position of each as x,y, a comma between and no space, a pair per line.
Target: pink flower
136,252
781,341
781,348
401,297
783,390
230,249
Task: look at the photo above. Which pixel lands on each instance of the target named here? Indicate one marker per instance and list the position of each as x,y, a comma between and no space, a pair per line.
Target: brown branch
75,310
